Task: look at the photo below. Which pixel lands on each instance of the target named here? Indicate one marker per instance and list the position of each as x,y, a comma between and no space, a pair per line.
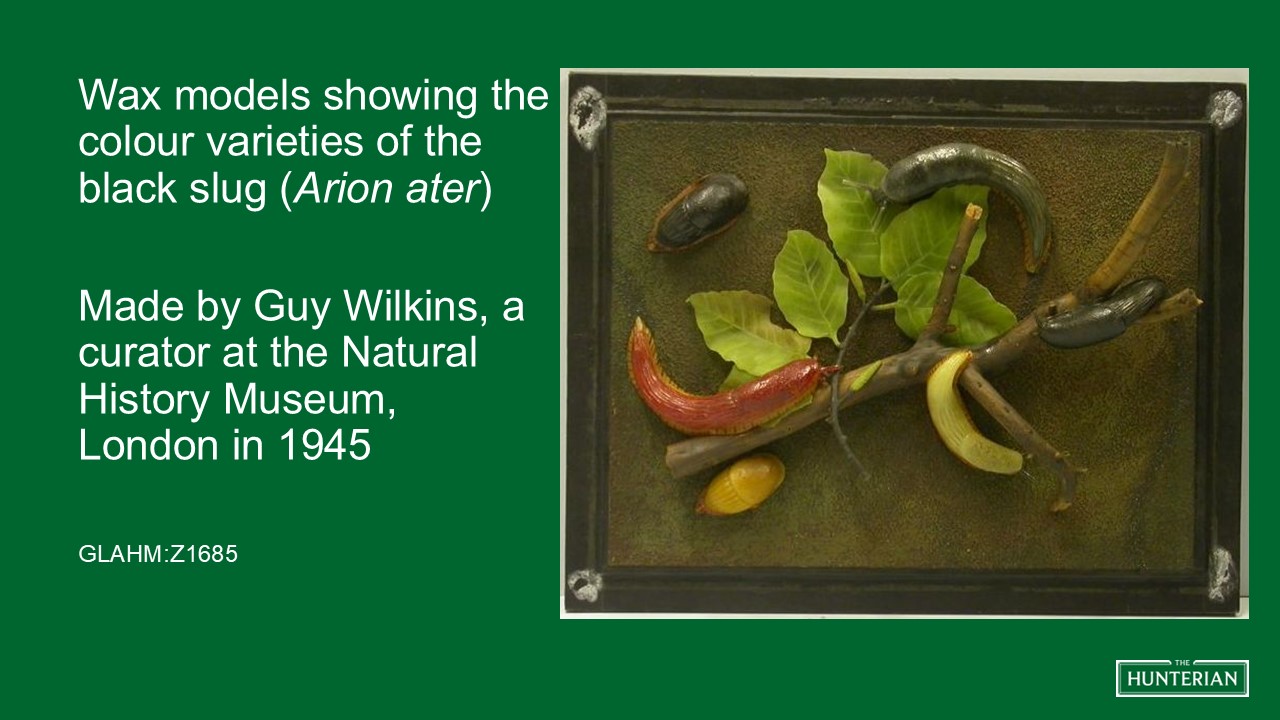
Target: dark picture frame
1215,111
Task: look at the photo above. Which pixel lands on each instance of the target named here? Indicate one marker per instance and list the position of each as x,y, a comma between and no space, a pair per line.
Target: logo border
1193,662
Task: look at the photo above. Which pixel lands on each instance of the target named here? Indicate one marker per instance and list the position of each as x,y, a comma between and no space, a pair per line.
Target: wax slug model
707,207
1102,321
726,413
956,428
923,173
742,486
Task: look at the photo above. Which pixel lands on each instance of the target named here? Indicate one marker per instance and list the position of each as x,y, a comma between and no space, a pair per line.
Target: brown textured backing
1124,409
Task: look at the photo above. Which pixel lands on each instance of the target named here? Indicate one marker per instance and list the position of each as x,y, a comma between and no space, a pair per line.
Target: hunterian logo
1182,678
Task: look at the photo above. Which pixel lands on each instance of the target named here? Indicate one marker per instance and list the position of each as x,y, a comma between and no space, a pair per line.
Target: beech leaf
736,325
856,280
810,289
920,238
976,315
863,378
854,218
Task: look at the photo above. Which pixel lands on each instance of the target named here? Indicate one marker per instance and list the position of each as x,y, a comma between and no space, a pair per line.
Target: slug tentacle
726,413
1104,320
924,173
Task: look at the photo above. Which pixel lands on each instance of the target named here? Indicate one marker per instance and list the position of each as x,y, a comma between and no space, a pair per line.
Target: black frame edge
831,591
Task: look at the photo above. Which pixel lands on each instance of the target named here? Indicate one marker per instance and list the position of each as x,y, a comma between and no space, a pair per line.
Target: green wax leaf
854,218
736,325
921,237
976,315
856,280
810,289
865,376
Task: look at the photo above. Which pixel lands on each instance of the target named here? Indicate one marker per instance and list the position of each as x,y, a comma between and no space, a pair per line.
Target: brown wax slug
1105,320
705,208
927,171
725,413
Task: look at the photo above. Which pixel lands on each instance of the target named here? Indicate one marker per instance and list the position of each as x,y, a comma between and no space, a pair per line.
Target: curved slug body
954,425
1082,327
726,413
924,173
1105,320
1136,299
704,209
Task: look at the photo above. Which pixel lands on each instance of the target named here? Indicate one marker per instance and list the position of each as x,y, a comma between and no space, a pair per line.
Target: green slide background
417,583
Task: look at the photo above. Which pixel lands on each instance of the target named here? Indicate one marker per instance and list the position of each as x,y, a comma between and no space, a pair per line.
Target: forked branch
1127,250
911,367
1022,431
937,324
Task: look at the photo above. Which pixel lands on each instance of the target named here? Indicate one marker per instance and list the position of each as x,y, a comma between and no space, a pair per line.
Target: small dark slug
707,207
1105,320
1136,299
1082,327
924,173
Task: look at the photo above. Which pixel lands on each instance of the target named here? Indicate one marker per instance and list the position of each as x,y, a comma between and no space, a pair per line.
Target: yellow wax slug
955,427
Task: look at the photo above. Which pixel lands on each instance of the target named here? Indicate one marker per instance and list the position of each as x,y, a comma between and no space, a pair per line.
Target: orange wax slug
726,413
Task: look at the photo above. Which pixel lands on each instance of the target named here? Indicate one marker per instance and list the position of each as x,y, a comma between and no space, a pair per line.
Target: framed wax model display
904,346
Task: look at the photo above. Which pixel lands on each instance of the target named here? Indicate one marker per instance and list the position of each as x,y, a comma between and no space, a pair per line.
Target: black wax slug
1102,321
707,207
924,173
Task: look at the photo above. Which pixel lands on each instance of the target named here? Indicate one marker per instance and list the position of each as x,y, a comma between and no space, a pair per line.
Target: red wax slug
726,413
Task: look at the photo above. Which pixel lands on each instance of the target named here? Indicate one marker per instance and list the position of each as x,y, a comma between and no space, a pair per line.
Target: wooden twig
1031,441
910,367
1127,250
695,454
946,297
849,336
1173,306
